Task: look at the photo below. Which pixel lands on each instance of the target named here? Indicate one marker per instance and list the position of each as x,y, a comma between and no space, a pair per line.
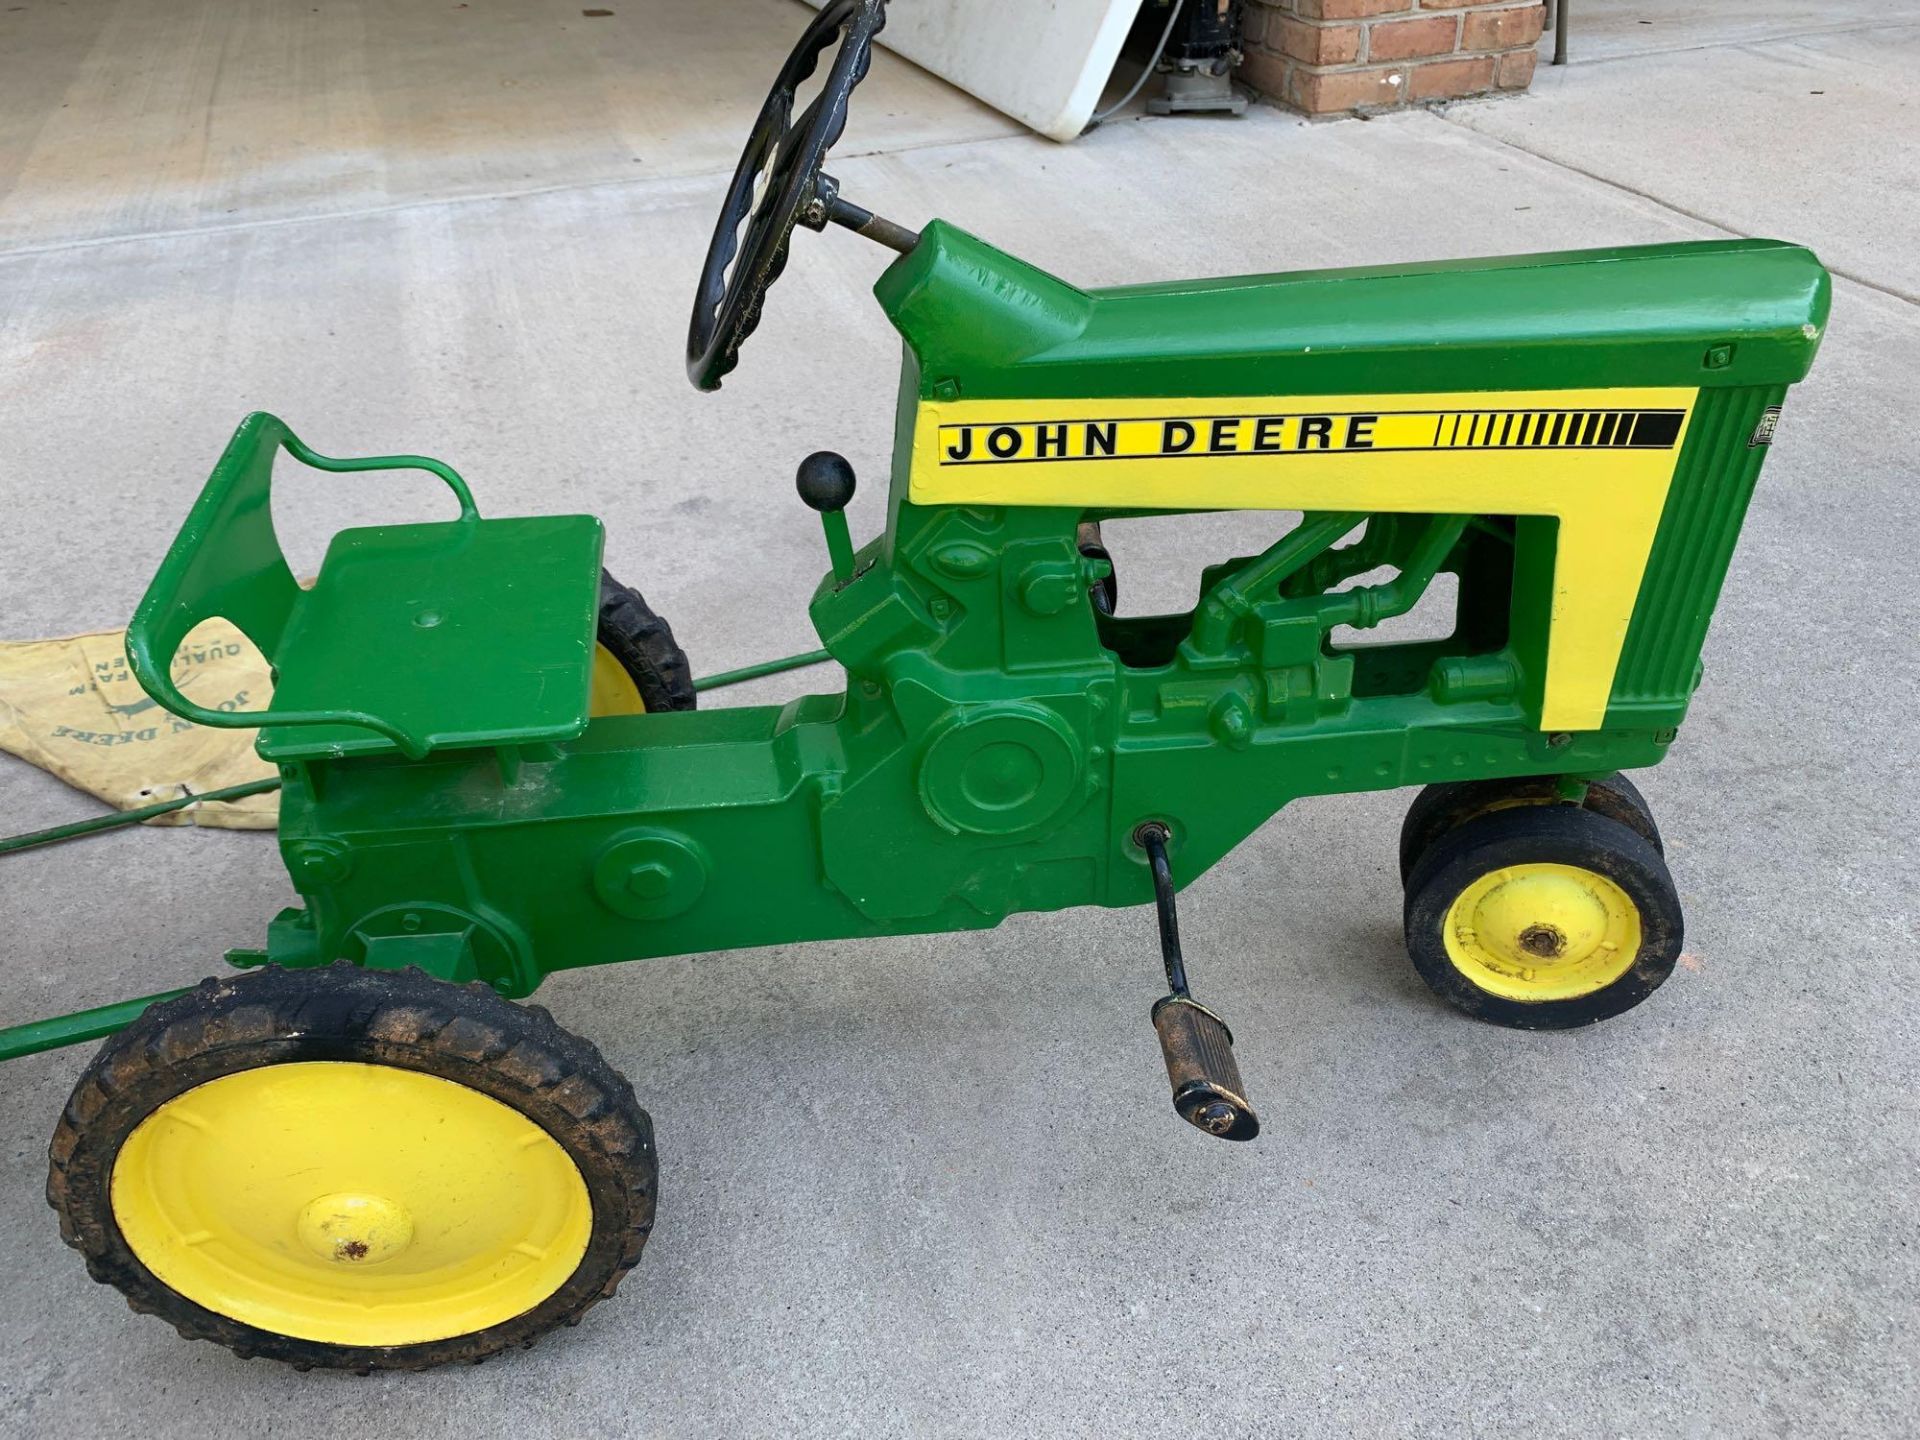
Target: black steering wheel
777,185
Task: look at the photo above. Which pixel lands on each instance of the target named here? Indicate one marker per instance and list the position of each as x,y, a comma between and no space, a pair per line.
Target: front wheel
1440,808
1543,918
354,1169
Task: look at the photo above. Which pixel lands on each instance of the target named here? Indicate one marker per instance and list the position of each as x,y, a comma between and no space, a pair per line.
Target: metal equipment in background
1199,46
1198,59
1556,21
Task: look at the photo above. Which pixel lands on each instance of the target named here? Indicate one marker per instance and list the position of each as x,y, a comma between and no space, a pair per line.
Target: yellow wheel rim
1542,932
613,691
351,1204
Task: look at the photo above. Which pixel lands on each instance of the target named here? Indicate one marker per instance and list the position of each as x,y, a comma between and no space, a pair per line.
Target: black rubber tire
1104,592
1547,834
516,1054
1440,808
643,643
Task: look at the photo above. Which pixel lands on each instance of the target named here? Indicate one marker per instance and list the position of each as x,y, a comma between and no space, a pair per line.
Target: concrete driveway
903,1192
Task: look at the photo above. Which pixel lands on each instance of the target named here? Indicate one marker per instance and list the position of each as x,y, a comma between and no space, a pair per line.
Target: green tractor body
490,769
1574,436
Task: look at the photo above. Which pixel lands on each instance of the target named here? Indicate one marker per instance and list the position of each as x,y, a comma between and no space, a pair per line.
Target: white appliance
1043,62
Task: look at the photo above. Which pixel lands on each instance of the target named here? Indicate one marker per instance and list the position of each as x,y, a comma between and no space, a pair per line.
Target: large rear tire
353,1169
638,667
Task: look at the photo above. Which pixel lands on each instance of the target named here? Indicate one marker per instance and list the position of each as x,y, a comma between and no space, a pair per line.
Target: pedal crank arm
1196,1043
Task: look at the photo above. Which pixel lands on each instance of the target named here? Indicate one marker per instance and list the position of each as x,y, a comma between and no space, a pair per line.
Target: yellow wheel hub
351,1204
1542,932
613,691
355,1229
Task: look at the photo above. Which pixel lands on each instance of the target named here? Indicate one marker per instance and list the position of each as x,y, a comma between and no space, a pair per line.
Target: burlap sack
72,707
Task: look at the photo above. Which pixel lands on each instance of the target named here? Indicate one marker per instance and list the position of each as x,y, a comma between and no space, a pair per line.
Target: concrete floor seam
1654,52
407,207
1668,205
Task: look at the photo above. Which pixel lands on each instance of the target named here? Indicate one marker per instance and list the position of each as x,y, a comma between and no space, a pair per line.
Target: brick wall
1329,57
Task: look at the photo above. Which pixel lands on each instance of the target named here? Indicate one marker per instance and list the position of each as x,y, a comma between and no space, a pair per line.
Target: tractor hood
985,325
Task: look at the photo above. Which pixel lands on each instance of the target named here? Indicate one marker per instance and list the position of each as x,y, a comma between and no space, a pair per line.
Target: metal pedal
1196,1043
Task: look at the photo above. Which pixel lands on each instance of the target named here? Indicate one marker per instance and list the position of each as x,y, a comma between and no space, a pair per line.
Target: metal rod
839,543
765,667
1152,838
38,1035
874,227
73,829
1560,32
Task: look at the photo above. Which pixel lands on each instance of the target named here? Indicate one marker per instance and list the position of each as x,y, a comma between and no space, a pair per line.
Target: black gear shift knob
825,481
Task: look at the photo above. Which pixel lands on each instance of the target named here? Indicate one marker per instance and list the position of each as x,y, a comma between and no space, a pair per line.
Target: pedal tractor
363,1154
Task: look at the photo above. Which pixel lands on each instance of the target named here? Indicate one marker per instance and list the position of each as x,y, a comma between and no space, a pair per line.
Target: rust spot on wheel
1543,940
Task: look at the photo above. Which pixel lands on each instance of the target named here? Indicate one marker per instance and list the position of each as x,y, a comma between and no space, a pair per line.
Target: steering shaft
827,207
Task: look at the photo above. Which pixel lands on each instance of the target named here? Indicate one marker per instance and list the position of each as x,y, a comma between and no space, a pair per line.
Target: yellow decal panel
1600,460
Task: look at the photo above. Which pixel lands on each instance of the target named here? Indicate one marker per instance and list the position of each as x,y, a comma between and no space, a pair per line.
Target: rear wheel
638,667
354,1169
1440,808
1104,592
1543,918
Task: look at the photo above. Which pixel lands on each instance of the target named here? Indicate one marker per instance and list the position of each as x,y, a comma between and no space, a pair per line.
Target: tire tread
411,1015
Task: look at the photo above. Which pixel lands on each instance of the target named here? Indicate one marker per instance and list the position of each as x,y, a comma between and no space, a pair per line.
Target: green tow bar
84,1025
74,829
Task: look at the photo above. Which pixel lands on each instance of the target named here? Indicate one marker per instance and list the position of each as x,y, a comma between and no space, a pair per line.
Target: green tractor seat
414,638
